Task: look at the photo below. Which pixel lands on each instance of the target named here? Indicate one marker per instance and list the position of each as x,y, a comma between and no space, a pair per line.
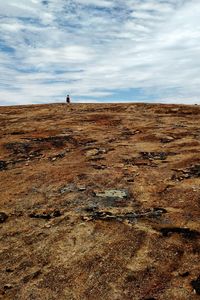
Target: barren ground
100,202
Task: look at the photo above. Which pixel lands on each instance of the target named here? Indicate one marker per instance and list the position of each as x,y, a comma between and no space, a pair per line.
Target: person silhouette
68,99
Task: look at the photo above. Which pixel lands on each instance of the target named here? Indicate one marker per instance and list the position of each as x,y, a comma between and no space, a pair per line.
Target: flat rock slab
121,194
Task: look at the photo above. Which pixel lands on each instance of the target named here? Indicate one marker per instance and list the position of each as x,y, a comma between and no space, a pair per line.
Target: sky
99,51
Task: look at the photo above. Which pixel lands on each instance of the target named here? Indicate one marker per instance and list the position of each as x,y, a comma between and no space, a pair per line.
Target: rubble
154,155
57,156
191,172
19,148
95,154
129,216
66,189
47,215
56,141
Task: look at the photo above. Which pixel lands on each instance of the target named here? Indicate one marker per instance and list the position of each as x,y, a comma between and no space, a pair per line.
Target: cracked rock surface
100,201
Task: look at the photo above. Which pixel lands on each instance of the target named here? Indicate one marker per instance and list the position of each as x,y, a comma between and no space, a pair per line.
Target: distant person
68,99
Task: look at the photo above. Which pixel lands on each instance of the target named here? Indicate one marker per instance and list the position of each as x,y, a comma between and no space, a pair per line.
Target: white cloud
98,3
99,48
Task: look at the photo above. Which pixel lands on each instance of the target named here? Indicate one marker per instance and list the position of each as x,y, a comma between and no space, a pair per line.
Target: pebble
92,152
81,188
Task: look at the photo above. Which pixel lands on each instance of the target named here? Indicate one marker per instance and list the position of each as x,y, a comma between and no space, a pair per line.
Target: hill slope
100,201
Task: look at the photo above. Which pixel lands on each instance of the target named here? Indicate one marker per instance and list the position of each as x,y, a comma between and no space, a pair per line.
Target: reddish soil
100,201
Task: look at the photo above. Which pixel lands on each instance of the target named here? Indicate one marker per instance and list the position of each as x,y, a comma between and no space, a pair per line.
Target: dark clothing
68,99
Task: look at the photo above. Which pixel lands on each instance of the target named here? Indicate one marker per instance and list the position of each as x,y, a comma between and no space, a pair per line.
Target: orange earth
100,202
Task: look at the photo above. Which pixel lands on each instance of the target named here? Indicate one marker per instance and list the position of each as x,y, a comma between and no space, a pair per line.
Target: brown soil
100,201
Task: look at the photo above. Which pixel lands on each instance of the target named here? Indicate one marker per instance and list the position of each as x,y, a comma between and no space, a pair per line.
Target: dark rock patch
192,172
3,217
8,287
45,215
166,140
154,155
57,156
130,216
130,278
32,276
185,232
99,167
19,148
185,274
17,132
56,141
96,158
139,161
9,270
3,165
196,285
88,142
67,188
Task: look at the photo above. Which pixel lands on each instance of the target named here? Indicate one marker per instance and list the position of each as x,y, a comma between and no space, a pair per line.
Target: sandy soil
100,201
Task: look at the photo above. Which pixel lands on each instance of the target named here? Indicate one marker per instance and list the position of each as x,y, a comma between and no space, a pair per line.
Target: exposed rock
109,244
192,172
96,154
8,270
81,188
154,155
19,148
92,152
112,194
196,285
99,167
3,217
167,139
3,165
66,189
130,216
8,286
32,276
185,232
185,274
45,214
56,141
57,156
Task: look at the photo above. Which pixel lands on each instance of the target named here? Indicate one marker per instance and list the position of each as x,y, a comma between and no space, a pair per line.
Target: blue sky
99,51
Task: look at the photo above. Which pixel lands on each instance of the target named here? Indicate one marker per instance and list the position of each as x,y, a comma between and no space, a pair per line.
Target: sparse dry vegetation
100,201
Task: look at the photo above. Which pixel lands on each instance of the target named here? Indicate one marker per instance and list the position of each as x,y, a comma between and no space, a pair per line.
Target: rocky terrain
100,201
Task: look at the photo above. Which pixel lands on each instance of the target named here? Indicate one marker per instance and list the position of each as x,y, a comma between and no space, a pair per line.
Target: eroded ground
100,202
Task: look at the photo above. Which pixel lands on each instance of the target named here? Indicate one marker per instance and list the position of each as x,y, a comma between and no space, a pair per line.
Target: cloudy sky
99,51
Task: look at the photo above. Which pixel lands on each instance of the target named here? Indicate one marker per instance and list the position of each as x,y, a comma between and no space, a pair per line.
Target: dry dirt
100,202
